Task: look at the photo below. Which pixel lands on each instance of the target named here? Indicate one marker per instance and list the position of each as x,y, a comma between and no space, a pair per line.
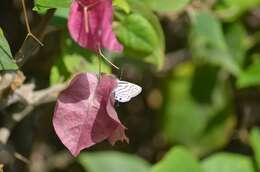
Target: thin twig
26,17
33,99
106,59
21,158
35,38
1,168
29,32
19,56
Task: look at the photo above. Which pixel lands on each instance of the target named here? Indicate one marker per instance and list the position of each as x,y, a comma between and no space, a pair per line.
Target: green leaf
208,44
131,33
122,4
250,76
141,34
111,161
141,8
167,5
196,110
6,58
60,18
230,10
74,60
43,5
178,159
237,41
228,162
255,144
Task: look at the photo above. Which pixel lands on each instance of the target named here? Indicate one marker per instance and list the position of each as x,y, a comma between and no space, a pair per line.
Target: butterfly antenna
106,59
121,73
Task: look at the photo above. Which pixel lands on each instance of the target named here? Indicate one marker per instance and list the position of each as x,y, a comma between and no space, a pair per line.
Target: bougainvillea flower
85,115
90,25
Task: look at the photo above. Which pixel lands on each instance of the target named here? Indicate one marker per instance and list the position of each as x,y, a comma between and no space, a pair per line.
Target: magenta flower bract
85,114
90,25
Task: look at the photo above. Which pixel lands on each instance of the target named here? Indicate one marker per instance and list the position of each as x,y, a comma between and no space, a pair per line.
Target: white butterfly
126,90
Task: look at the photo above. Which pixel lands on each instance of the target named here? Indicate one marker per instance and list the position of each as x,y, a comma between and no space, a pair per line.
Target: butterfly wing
126,90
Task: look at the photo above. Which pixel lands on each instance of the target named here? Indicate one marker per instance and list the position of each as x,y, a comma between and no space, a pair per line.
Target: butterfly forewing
126,90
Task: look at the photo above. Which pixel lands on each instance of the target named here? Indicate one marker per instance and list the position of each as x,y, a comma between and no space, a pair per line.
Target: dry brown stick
33,99
20,56
60,160
40,97
37,98
1,168
29,32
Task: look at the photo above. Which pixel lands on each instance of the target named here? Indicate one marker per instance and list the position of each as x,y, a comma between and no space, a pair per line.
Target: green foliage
60,18
74,60
122,4
148,46
6,58
250,76
172,6
255,143
178,159
230,10
208,44
43,5
111,161
141,34
228,162
196,109
237,41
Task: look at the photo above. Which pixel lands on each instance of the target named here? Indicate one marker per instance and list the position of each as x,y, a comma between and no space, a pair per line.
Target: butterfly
125,91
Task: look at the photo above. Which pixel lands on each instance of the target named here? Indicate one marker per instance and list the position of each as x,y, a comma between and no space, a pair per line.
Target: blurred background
198,62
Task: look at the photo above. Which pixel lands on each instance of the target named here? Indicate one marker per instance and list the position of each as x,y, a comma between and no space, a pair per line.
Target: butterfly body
125,91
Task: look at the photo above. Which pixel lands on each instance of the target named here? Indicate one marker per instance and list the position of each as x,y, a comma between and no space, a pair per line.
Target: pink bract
85,115
93,30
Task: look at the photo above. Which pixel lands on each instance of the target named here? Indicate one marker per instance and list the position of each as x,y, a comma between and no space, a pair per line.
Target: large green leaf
138,34
196,109
141,8
6,58
230,10
208,44
228,162
141,34
178,159
110,161
250,76
255,143
167,5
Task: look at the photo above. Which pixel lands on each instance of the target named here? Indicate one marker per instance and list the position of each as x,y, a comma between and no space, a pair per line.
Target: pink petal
100,34
85,115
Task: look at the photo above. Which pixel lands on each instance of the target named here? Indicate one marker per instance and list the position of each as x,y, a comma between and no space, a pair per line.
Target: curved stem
26,17
106,59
